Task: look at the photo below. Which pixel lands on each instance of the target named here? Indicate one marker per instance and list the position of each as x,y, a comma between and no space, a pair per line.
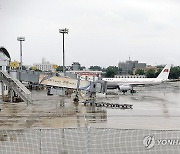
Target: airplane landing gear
124,91
132,91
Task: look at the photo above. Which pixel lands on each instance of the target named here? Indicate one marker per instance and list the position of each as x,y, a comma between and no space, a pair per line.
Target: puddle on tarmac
153,107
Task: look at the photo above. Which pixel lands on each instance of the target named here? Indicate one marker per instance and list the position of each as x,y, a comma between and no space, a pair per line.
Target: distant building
129,66
151,68
44,66
140,65
4,66
76,66
147,68
87,75
4,59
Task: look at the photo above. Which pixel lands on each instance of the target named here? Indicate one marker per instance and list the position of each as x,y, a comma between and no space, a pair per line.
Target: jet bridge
15,87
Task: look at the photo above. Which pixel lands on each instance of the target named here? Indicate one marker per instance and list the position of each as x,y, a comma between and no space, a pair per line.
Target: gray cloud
101,32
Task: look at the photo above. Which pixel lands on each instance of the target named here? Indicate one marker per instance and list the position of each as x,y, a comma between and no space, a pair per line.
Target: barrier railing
89,141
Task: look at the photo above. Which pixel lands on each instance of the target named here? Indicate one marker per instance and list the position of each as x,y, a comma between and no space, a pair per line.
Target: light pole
63,31
20,39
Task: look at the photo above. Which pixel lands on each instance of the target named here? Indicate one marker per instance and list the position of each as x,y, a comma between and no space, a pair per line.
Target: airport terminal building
4,65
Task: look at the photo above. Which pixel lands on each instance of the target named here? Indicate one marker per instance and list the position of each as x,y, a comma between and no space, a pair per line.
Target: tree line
111,71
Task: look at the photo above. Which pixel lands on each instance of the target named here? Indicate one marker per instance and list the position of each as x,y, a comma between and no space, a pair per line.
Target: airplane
125,84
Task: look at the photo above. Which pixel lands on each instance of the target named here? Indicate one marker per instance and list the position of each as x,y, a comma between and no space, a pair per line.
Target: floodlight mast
20,39
63,31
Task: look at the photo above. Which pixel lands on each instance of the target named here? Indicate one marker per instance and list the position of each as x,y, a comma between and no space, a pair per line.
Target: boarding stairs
16,86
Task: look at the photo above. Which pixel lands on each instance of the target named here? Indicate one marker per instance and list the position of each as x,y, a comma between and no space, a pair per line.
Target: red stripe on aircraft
166,70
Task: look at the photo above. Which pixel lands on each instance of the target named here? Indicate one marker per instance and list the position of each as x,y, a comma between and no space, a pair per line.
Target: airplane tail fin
165,72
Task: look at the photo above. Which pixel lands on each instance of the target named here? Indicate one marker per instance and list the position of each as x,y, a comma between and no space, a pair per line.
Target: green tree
111,71
82,68
139,72
103,69
158,72
151,73
174,72
23,67
130,72
59,69
95,68
33,68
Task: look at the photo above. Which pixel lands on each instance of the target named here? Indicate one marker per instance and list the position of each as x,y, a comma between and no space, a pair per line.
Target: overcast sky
101,32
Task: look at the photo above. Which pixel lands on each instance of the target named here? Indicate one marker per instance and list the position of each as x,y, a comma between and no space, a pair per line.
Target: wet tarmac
155,107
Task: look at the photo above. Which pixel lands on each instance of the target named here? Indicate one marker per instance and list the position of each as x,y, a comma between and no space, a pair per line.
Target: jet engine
125,88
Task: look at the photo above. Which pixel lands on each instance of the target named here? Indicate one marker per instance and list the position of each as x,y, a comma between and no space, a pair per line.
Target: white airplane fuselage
125,84
114,82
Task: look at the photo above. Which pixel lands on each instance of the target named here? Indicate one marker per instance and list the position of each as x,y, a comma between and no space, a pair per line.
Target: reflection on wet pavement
155,107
